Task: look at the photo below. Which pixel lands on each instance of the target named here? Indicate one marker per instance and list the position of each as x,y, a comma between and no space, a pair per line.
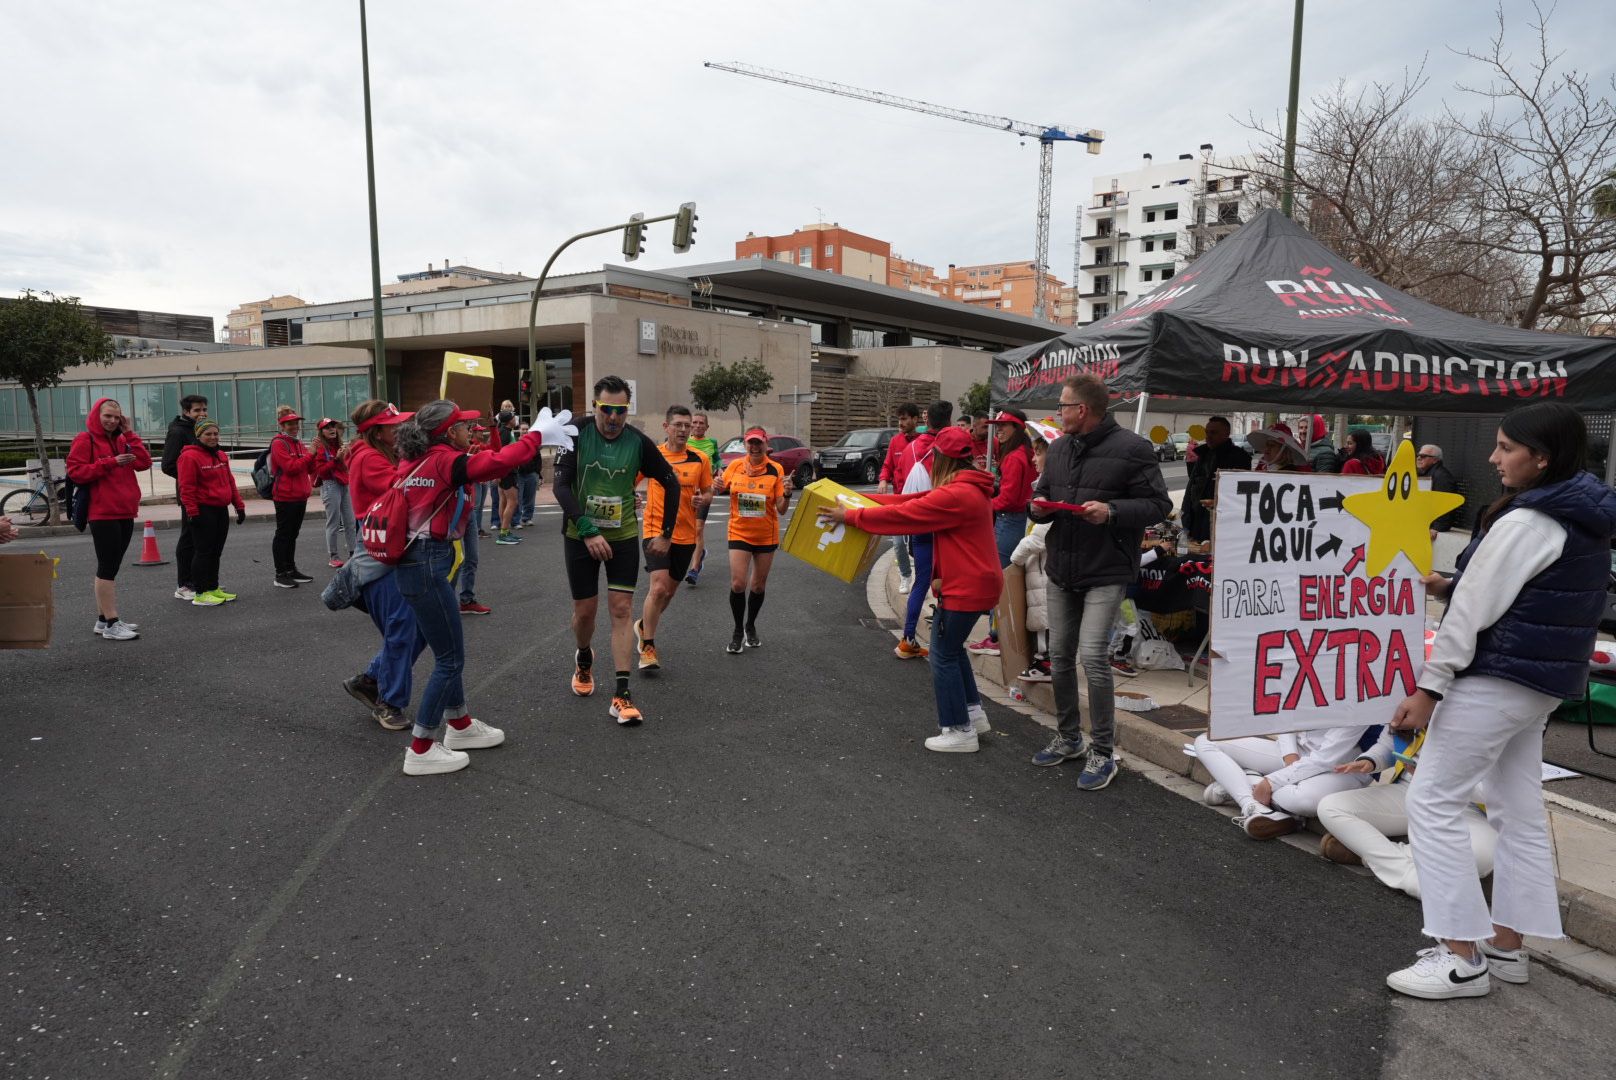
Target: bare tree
1546,140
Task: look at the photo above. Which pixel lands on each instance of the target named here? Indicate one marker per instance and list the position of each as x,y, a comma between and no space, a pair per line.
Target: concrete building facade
245,323
823,247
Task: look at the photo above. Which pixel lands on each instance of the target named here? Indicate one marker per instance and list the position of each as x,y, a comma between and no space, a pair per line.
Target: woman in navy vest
1523,612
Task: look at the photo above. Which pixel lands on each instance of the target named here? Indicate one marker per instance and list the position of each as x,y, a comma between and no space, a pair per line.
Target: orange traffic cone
149,555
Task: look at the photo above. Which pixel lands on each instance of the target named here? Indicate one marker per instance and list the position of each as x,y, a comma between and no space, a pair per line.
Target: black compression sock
737,607
586,658
754,602
622,684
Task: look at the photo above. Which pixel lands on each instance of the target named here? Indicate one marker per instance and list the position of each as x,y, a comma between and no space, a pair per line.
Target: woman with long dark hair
331,476
439,474
1362,458
1523,614
956,513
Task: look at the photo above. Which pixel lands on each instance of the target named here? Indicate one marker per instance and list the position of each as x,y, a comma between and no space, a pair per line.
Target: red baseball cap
454,418
1009,418
390,415
288,418
326,421
755,433
954,442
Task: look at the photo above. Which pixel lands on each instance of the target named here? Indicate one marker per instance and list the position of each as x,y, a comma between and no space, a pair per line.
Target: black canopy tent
1271,317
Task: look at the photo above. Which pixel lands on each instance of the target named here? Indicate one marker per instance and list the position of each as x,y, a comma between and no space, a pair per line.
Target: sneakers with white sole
905,582
1217,795
1263,824
979,719
437,759
119,631
182,593
1440,974
475,736
954,741
1511,965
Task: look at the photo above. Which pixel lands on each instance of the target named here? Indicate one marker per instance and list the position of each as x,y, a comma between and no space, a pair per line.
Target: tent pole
1139,416
1610,456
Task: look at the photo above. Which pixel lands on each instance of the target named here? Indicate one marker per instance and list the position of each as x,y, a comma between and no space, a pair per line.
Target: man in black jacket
1214,455
1429,463
1092,556
182,433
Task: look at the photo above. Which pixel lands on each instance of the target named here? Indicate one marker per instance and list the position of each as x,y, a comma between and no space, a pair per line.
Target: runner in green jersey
700,443
594,483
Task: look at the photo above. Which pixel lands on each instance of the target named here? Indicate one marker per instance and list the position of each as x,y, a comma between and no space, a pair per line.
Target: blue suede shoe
1098,771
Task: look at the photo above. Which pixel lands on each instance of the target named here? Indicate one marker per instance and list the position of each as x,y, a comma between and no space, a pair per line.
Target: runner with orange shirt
759,492
668,569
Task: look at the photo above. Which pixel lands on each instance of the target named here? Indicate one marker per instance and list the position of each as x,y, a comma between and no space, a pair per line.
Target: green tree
1605,197
720,388
40,338
976,399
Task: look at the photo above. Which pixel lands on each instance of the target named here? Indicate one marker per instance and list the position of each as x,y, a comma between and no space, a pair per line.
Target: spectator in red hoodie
105,457
911,480
331,477
207,492
1362,458
966,566
908,421
1014,465
292,466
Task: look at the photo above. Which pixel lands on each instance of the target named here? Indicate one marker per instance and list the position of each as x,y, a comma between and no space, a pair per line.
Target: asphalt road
212,867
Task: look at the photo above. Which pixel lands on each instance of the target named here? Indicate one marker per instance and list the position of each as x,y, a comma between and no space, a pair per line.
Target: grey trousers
1080,624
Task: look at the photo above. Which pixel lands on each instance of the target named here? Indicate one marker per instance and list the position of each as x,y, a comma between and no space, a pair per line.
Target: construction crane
1046,135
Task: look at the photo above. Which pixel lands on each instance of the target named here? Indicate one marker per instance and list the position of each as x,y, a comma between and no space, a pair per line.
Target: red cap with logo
390,415
954,442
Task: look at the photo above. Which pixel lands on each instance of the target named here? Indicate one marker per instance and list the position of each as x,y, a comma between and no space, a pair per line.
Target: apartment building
1142,227
823,247
905,273
1004,287
245,323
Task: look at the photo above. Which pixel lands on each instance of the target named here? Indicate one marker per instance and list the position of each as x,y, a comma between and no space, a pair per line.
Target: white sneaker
437,759
1217,795
119,631
1511,965
979,719
954,741
1439,974
906,582
100,626
478,736
182,593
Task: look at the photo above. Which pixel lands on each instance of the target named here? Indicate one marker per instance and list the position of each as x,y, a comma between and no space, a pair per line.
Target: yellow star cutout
1399,515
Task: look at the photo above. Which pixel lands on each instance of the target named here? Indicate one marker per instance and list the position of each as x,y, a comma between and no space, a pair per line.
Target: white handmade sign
1303,635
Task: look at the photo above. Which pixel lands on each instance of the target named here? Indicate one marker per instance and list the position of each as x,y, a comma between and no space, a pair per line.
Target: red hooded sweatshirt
965,561
293,467
1016,474
328,464
206,480
115,494
913,454
889,467
370,475
430,487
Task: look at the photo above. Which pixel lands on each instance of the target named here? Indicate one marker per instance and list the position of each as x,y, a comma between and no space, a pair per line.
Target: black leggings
288,523
210,529
111,540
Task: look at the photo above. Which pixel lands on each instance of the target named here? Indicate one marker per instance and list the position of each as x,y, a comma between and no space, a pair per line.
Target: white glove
557,430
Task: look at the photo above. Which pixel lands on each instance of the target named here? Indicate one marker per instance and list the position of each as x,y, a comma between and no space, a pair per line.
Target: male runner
594,483
667,570
700,443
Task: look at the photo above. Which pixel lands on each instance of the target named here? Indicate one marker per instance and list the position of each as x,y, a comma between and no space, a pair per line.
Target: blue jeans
423,581
917,595
1008,529
480,498
402,644
466,579
952,680
528,485
900,548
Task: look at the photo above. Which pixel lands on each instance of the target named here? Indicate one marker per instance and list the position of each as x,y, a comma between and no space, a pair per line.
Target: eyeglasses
1070,404
1425,455
611,410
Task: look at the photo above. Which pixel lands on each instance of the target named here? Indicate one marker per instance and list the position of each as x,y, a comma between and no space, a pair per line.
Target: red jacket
1368,465
115,492
912,454
328,465
889,467
370,475
965,560
431,490
1016,474
206,480
293,467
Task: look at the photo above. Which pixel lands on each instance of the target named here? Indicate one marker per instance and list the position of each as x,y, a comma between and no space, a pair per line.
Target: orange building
1004,287
823,247
907,274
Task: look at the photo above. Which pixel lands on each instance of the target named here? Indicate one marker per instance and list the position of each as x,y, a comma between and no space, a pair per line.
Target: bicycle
28,505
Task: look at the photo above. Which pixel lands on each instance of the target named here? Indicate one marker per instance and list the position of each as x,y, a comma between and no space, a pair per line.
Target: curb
1587,917
25,533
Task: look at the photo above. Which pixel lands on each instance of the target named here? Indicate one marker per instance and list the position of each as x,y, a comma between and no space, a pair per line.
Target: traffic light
634,238
552,380
525,386
684,227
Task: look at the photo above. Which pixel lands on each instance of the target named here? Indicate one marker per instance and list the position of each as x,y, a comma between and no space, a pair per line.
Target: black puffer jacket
1107,465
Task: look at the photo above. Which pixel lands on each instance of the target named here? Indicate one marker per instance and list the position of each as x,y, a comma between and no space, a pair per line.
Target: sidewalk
1584,836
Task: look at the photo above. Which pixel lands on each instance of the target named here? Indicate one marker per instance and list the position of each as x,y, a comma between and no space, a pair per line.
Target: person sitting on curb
1362,822
1294,773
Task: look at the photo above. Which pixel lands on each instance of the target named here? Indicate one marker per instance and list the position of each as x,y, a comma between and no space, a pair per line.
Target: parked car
1181,443
1166,451
857,455
793,455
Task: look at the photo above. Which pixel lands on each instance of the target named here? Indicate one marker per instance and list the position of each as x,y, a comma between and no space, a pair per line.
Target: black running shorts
583,569
676,562
756,549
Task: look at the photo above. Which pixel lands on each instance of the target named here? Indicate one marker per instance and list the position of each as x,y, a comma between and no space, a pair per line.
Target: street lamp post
1287,192
379,356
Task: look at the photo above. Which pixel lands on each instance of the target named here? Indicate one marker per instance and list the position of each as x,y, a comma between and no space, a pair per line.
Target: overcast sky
188,156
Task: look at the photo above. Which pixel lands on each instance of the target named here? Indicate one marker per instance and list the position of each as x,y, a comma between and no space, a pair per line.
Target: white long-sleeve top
1318,752
1520,545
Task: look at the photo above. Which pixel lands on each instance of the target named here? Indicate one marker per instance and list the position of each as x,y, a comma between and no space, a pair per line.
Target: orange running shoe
648,658
583,681
910,649
624,712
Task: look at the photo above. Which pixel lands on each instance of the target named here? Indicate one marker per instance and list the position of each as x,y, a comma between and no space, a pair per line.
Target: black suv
857,455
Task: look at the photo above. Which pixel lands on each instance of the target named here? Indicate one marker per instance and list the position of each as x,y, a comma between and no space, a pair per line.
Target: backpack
263,477
385,529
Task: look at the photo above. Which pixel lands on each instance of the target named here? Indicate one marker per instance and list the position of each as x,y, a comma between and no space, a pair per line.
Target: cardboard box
842,552
26,601
468,381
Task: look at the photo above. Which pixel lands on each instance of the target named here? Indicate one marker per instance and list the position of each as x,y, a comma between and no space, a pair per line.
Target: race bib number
606,511
752,504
